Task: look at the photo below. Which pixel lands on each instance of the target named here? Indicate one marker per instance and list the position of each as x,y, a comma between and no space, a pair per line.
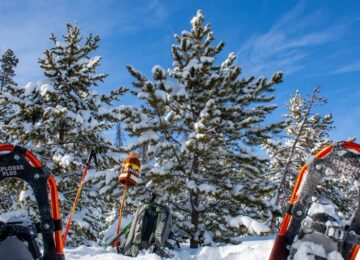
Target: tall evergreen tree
8,63
306,133
62,119
201,122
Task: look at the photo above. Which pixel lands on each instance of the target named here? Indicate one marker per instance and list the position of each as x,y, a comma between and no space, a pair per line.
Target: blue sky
312,42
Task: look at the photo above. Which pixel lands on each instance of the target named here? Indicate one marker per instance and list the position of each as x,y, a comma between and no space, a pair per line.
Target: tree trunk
194,241
194,200
144,149
61,133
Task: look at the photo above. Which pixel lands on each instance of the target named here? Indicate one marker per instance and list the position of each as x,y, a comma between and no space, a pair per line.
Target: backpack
150,229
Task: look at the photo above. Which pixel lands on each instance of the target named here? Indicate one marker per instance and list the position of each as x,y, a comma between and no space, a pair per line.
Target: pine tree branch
180,208
166,134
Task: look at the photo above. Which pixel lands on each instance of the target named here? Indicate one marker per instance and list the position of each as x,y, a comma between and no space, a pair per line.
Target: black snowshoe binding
151,231
311,227
17,235
15,232
322,234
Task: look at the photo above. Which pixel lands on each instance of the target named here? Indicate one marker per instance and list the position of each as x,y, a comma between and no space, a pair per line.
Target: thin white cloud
287,44
25,26
352,67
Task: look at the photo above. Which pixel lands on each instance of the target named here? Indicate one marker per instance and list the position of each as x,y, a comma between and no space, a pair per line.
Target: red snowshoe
17,238
310,227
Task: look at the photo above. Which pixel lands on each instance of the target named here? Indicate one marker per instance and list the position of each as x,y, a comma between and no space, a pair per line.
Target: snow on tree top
158,69
46,88
29,87
198,19
93,61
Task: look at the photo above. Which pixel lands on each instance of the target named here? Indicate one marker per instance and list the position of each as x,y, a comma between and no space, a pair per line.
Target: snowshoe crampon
17,162
310,227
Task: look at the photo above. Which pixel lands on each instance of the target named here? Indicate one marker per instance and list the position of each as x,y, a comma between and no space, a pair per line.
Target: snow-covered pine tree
8,63
201,122
306,133
62,119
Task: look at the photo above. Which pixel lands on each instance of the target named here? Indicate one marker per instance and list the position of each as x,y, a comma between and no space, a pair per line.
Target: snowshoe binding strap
337,233
162,226
22,232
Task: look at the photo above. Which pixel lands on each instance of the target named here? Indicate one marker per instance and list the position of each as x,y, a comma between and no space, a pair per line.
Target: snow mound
92,253
335,256
254,227
319,208
19,214
254,248
303,248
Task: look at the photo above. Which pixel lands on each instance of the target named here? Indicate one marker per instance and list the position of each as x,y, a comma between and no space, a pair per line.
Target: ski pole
129,174
87,165
120,215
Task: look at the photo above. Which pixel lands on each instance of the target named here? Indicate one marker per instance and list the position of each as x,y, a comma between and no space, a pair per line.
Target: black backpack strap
151,226
131,246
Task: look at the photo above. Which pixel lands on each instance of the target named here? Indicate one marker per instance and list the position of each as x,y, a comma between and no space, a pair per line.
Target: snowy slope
253,248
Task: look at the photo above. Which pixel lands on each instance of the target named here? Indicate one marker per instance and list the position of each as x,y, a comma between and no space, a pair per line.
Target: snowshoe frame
20,163
300,200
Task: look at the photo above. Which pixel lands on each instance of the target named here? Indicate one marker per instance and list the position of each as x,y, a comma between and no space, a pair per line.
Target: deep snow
252,248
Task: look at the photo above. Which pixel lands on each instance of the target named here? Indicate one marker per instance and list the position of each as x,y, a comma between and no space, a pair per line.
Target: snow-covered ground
252,248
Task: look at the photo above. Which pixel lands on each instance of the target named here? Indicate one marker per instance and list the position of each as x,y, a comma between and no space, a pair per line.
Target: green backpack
150,229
